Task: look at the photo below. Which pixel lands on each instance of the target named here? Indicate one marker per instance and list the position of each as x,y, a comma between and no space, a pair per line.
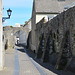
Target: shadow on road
20,47
22,50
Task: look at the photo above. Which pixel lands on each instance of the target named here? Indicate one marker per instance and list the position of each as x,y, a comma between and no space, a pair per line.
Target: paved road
9,62
26,67
17,62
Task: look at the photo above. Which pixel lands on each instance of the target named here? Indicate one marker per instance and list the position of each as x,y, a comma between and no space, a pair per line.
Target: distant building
23,33
28,24
17,25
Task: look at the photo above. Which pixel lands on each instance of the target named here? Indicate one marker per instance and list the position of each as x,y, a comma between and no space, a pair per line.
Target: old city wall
58,25
57,36
10,33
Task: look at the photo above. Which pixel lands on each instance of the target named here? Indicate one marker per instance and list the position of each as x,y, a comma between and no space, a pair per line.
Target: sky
21,11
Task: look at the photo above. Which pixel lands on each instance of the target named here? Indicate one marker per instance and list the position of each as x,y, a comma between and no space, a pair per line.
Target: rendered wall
1,33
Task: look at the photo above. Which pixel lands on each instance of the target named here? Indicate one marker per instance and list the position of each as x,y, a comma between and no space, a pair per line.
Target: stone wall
8,37
57,36
10,33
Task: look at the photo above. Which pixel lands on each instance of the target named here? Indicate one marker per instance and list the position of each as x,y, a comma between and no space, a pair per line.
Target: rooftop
52,6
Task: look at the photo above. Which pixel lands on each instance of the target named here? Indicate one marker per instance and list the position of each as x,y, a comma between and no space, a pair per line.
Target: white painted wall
1,33
40,16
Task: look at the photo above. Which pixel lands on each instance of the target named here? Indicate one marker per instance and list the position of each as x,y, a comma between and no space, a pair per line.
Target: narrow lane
26,67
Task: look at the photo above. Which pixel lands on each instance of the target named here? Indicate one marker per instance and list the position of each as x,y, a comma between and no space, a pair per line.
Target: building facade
1,33
23,34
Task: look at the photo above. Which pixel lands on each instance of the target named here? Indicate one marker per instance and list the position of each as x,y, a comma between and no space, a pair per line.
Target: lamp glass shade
9,12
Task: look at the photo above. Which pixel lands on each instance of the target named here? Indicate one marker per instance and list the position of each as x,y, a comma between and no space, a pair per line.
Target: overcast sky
21,11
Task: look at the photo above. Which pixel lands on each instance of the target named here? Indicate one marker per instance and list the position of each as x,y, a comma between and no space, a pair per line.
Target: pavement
18,62
9,62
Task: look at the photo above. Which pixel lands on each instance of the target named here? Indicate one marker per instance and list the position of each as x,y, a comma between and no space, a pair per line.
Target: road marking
16,68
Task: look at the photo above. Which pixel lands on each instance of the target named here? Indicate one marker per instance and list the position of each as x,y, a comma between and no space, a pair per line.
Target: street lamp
9,14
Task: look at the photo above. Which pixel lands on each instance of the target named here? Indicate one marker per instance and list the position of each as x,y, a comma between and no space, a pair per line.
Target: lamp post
9,14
